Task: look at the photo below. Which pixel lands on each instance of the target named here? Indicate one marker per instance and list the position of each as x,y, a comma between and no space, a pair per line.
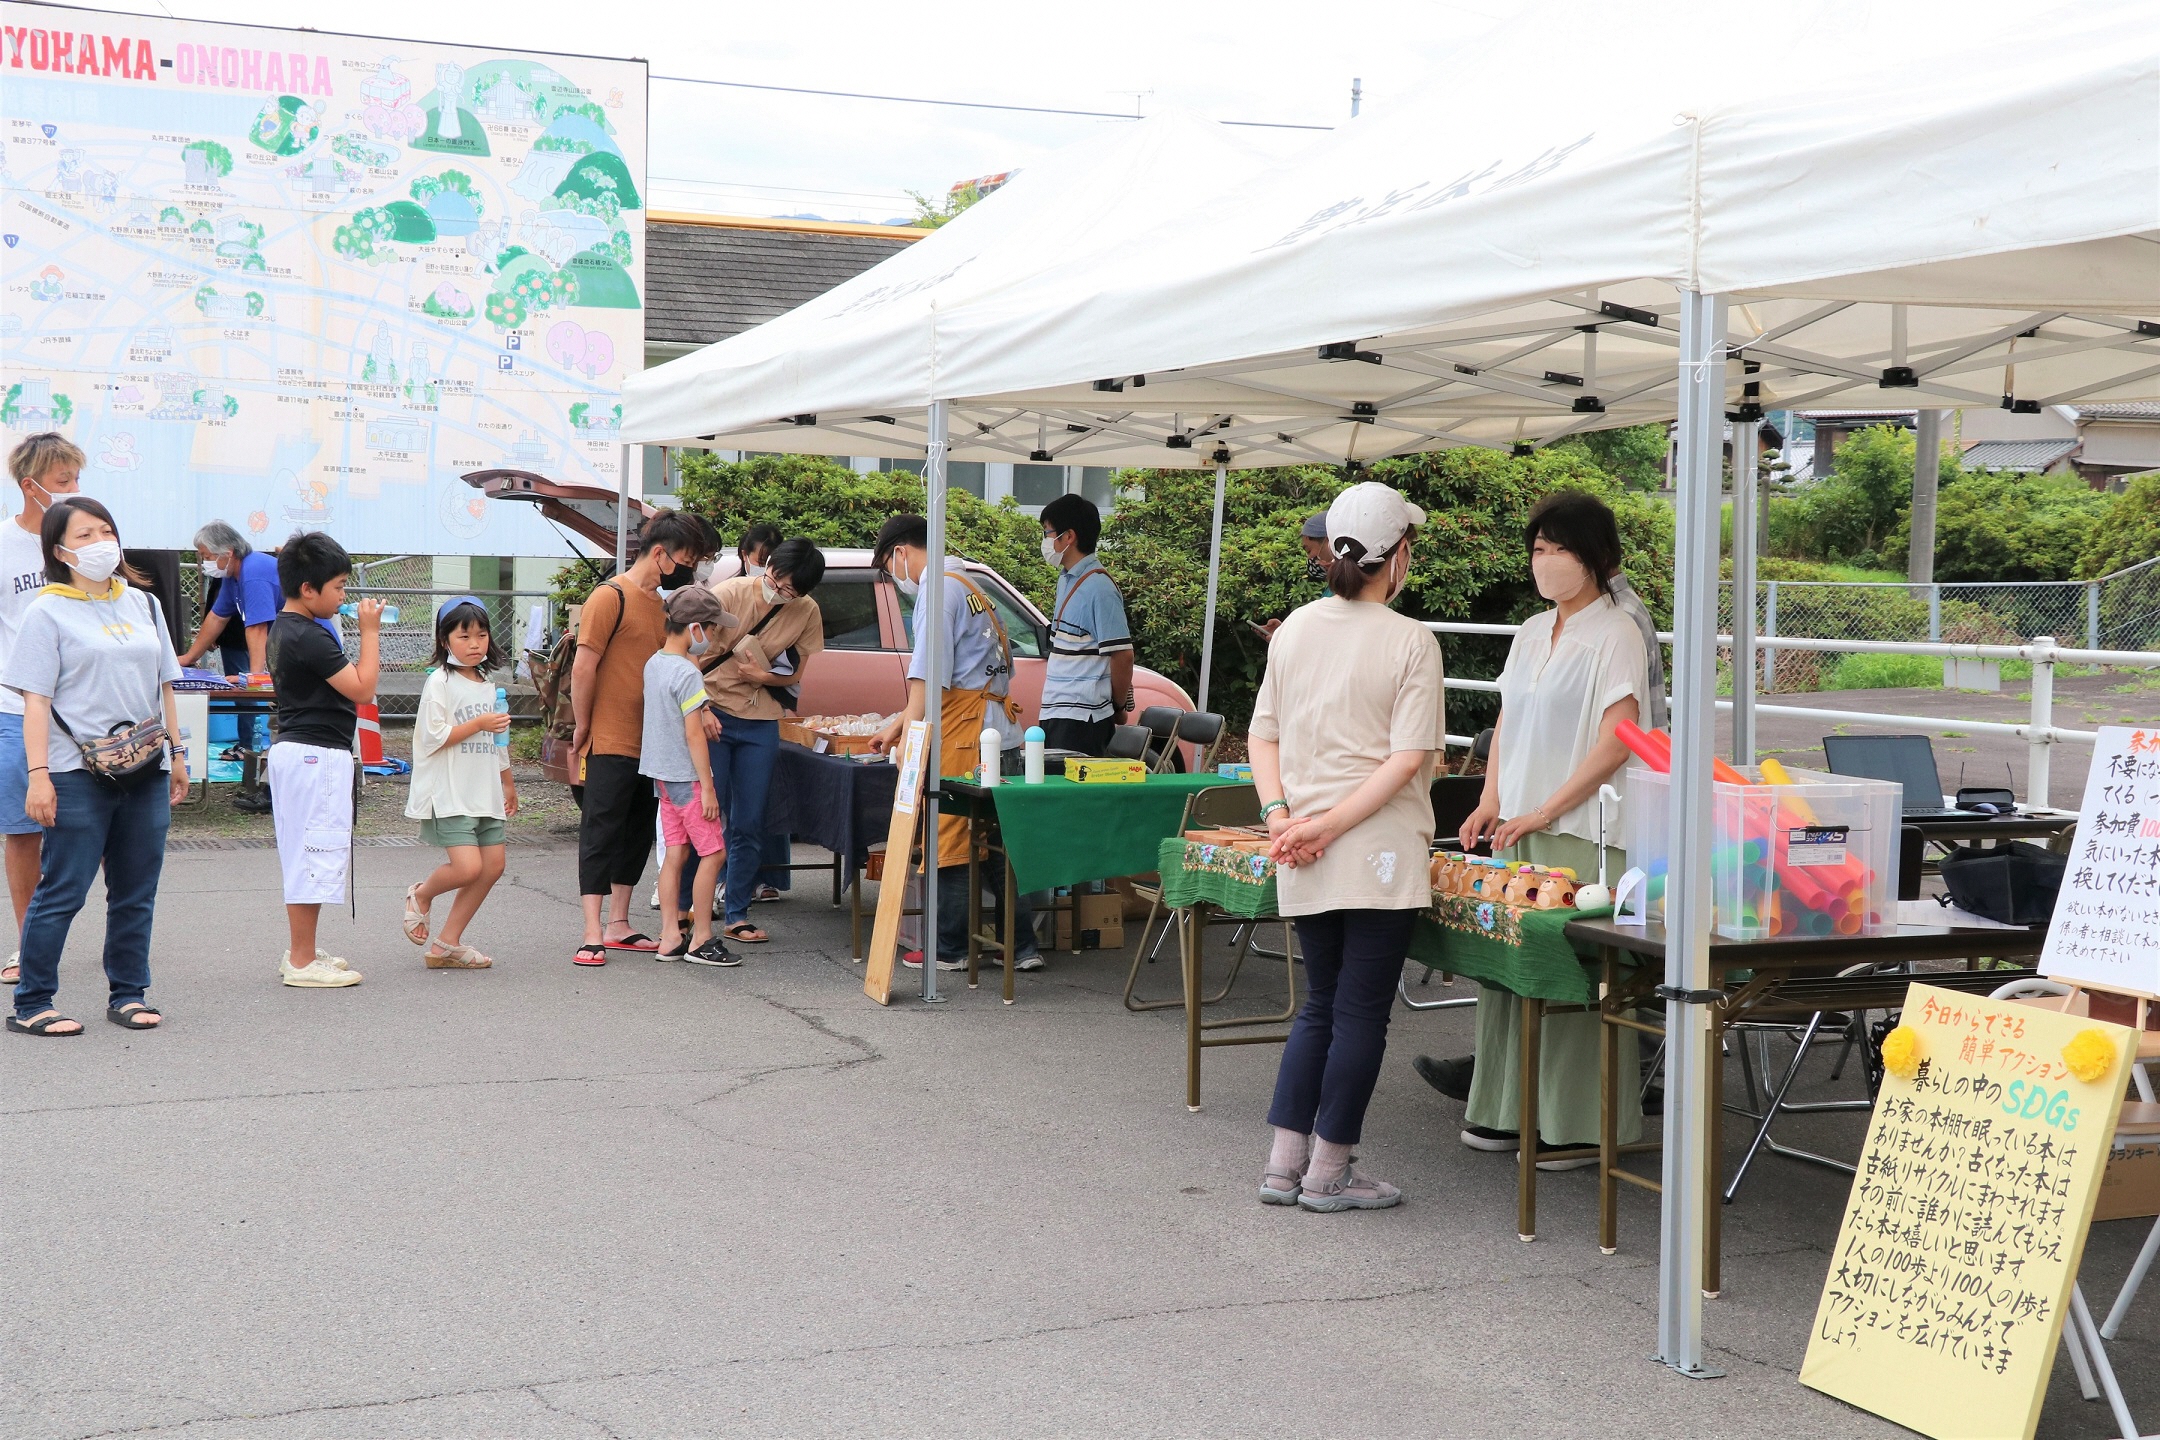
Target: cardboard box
2130,1186
1101,923
1134,905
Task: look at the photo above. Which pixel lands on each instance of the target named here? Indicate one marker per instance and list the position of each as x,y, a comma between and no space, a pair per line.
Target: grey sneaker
1352,1192
1030,962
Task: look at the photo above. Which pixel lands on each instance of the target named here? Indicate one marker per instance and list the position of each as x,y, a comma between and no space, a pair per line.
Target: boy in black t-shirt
319,693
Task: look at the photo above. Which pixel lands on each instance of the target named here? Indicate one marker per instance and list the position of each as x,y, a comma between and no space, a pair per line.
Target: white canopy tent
1972,219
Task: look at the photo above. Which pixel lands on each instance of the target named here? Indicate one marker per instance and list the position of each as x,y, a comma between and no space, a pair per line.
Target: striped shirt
1087,627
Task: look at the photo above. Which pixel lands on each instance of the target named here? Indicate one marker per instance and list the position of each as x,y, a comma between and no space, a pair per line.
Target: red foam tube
1644,745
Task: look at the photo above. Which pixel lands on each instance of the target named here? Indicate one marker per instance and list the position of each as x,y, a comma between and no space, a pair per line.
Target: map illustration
289,278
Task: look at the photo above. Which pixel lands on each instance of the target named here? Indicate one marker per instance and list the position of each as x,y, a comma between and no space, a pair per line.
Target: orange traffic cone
370,735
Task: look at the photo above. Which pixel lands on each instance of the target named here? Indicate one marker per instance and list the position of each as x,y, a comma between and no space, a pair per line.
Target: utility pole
1357,93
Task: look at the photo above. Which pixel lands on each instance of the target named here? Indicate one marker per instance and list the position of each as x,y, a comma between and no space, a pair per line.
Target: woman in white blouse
1573,674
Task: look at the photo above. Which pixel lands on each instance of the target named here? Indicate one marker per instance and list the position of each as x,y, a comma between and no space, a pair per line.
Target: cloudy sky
754,152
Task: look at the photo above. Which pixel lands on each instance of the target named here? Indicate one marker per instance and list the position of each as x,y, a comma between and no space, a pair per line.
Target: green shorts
449,830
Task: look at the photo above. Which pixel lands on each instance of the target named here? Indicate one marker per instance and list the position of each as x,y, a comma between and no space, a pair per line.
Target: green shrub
2000,525
1633,454
2131,534
1884,672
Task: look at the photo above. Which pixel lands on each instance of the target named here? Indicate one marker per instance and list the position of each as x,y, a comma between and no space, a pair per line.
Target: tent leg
1743,593
930,612
1214,575
1689,1105
622,509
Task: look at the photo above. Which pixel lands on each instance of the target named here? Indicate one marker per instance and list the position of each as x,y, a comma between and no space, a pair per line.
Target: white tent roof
1923,191
868,347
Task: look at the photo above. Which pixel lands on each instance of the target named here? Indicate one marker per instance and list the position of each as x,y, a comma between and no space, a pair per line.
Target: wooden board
899,841
1946,1293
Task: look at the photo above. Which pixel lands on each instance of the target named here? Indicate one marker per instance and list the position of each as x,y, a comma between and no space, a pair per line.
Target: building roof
709,277
2132,410
2030,456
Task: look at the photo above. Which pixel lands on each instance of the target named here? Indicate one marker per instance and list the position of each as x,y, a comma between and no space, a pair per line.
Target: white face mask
700,640
905,586
97,561
772,595
752,568
1558,577
1051,552
214,570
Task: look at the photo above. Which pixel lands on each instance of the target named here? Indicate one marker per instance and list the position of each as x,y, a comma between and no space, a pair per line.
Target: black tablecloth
829,800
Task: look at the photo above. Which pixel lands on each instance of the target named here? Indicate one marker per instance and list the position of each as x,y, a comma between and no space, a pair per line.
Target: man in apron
977,662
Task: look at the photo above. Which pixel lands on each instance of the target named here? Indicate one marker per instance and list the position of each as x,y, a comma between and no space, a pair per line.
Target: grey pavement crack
564,1410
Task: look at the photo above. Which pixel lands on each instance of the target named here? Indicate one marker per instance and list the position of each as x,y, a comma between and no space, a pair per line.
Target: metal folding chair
1205,729
1130,742
1161,722
1220,805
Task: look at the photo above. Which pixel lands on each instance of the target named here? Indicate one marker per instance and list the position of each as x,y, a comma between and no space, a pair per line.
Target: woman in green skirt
1573,674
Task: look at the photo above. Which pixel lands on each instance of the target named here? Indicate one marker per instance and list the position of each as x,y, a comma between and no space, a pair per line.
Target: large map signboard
294,279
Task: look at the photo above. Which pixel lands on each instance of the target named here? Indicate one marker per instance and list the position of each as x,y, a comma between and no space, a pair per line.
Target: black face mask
680,576
1315,571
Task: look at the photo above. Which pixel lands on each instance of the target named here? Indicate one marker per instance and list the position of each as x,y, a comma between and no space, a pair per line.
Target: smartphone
1260,630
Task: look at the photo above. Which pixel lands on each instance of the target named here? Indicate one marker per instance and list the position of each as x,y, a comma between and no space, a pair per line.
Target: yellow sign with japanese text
1947,1290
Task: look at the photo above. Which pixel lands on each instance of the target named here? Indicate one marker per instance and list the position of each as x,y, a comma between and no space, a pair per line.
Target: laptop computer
1906,760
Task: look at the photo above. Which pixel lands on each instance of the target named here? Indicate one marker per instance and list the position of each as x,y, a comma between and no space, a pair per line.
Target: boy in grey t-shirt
673,753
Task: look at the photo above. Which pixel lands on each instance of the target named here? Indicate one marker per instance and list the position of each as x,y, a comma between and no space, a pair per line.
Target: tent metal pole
1214,577
1927,480
1684,1206
1743,592
930,613
622,509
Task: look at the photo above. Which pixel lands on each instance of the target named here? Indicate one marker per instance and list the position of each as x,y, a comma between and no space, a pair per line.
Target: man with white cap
1344,733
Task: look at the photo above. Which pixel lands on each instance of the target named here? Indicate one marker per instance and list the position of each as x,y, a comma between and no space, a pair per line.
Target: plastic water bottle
992,746
502,707
351,611
1034,742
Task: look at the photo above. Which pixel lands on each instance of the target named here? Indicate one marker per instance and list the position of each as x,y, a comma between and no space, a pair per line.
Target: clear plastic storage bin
1817,857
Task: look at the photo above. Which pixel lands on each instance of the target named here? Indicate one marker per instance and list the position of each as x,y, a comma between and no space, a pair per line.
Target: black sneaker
1450,1077
712,952
1477,1137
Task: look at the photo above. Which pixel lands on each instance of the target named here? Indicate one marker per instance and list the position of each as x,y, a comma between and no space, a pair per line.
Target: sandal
742,932
682,948
590,955
416,915
11,973
635,940
1283,1193
455,957
43,1025
135,1016
1351,1192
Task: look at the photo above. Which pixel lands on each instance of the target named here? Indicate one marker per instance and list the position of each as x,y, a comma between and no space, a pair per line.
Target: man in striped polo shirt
1087,683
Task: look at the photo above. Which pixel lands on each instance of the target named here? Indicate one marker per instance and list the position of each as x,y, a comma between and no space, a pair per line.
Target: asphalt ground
657,1201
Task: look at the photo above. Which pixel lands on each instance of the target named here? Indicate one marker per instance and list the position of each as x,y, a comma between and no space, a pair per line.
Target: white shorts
311,806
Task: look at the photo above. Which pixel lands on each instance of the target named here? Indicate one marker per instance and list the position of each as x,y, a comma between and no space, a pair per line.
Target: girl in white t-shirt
1343,736
462,791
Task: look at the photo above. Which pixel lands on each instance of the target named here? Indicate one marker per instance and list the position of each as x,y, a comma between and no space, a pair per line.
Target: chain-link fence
2116,612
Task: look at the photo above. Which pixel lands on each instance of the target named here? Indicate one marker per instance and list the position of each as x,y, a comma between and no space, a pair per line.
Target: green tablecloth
1529,956
1235,882
1062,833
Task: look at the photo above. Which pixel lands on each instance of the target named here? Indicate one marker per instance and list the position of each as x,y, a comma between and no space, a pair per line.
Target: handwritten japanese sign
1961,1239
2106,930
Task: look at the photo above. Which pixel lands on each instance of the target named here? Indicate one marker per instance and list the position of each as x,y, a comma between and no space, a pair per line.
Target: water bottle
1034,742
351,611
502,707
992,744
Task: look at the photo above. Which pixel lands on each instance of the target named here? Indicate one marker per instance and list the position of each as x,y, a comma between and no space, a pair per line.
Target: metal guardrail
2040,732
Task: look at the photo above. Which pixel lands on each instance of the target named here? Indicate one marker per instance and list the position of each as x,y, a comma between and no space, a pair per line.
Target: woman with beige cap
1344,733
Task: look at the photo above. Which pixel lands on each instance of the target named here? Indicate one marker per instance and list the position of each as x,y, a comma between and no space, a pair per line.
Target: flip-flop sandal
43,1026
635,940
742,932
455,957
131,1016
590,955
416,920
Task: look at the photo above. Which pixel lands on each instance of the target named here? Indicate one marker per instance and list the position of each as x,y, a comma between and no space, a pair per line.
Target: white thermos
991,747
1034,742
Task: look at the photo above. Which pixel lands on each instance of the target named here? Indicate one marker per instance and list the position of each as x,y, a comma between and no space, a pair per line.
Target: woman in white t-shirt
1573,674
1343,737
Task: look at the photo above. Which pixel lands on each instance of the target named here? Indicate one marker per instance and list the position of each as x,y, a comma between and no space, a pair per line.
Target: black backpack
2014,883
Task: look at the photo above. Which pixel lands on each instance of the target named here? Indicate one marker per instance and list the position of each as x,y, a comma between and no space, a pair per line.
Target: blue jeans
1332,1059
952,913
742,768
125,832
14,779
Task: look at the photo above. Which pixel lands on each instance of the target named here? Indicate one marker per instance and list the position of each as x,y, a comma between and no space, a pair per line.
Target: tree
2131,534
215,156
2001,525
929,216
1633,454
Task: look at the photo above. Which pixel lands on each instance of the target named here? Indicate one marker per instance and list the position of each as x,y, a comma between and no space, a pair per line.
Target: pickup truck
863,667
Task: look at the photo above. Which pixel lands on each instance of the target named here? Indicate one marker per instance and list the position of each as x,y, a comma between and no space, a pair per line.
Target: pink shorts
687,825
